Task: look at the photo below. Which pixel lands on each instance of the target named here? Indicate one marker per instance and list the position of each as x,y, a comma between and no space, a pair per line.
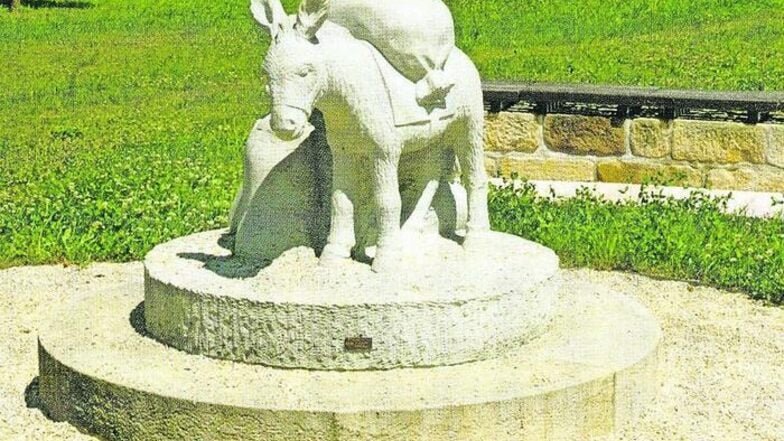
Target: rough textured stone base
448,306
718,142
592,372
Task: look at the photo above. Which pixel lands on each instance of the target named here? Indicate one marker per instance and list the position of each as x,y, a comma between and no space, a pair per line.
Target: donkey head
294,65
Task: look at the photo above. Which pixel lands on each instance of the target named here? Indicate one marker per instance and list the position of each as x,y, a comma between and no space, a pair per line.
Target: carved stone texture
775,153
651,138
284,200
761,178
415,36
636,172
491,164
512,132
718,142
449,307
595,370
562,169
584,135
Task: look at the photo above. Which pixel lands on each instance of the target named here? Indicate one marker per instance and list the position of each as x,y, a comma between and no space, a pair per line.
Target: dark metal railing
630,102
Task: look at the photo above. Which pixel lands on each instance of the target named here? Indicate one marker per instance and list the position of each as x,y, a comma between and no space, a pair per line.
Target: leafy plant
691,239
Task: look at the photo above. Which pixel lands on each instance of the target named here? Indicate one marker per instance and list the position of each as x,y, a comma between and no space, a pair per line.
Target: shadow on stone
285,198
137,320
231,267
31,396
226,241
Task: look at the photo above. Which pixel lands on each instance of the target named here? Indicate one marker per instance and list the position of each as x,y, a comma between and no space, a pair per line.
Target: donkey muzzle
289,122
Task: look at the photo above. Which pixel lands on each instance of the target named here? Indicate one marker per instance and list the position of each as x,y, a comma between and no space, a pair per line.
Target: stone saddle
415,36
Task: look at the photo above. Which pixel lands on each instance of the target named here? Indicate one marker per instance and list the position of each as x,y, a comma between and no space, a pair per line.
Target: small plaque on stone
358,344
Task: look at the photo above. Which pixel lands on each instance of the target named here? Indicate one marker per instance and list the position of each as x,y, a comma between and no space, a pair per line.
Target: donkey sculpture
312,64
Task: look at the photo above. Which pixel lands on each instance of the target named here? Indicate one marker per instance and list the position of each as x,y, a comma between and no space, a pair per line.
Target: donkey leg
386,193
470,153
364,209
419,178
450,199
341,231
364,228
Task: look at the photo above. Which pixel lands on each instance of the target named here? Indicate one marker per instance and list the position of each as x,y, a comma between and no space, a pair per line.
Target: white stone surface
594,371
416,36
449,307
284,200
317,64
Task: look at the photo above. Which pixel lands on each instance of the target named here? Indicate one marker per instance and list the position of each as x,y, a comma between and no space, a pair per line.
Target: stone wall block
556,169
636,172
584,135
512,132
718,142
491,163
651,138
763,178
775,152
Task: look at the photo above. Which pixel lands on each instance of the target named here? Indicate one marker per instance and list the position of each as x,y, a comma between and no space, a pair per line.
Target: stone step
446,306
593,371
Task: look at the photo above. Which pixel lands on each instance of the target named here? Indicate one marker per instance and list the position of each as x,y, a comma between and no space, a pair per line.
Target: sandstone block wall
718,155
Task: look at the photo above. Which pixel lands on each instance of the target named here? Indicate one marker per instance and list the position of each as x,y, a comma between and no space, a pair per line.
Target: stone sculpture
316,64
245,334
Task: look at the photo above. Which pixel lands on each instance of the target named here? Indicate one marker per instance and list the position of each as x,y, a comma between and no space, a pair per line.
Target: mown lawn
122,122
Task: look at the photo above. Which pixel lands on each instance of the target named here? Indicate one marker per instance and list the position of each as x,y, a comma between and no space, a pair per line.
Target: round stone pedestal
447,307
592,371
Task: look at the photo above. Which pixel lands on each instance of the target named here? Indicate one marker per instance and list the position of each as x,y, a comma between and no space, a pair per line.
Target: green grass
122,122
692,44
690,239
122,125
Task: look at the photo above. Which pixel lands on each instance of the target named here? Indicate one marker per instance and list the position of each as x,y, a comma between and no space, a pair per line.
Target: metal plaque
358,344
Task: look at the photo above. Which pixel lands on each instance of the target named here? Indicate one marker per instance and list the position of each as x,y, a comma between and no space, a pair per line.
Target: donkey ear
311,16
270,15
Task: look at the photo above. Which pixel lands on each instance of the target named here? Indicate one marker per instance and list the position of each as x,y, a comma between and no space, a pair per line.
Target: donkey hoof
386,261
332,256
382,265
475,242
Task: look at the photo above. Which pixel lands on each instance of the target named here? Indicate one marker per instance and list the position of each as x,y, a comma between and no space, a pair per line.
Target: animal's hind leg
449,201
419,180
470,153
364,213
341,231
386,193
432,174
